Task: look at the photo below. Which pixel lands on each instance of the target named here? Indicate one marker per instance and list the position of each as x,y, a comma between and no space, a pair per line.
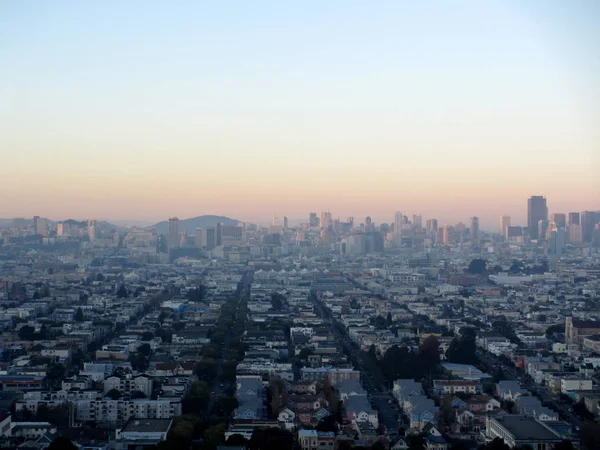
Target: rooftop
147,426
526,428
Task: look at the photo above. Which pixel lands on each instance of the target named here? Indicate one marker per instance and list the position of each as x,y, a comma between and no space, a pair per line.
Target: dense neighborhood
109,345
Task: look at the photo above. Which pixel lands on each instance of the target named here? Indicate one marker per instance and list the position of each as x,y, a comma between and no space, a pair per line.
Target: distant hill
190,225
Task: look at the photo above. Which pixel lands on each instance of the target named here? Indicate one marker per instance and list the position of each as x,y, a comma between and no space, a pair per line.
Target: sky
141,110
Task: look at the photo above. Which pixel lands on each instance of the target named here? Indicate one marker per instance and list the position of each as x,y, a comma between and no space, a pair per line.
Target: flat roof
147,426
526,428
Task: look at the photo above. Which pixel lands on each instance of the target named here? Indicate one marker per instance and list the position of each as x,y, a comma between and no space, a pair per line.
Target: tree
137,394
271,439
27,333
122,292
197,398
378,445
145,349
477,267
389,319
237,440
178,326
563,445
114,394
206,369
147,336
224,406
327,423
79,315
277,301
463,349
214,436
496,444
62,443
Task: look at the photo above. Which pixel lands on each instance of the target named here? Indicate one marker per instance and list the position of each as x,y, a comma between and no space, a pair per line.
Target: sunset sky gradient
145,110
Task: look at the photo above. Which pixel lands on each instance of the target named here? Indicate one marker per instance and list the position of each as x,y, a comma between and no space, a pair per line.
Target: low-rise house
509,390
448,387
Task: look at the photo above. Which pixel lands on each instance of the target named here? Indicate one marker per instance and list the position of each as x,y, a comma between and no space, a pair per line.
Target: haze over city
316,225
129,112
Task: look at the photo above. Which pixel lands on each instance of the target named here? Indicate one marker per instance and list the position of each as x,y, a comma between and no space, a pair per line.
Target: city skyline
242,112
502,221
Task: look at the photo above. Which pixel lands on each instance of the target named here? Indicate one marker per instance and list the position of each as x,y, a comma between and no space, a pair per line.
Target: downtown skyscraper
537,210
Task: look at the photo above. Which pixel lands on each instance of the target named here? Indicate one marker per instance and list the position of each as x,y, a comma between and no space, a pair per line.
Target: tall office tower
474,230
313,220
219,234
19,223
596,236
40,226
417,221
62,229
92,230
368,224
431,228
514,232
326,220
173,237
285,222
589,219
162,245
536,210
448,234
199,237
398,229
542,230
504,224
558,238
574,218
439,236
231,235
350,221
559,219
574,234
210,238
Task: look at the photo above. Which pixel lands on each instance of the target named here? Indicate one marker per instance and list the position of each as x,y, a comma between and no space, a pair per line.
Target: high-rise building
558,240
559,219
219,234
474,230
173,237
313,220
448,234
574,218
417,221
231,235
542,229
199,238
92,230
537,210
368,224
285,222
398,229
589,219
431,228
63,229
596,236
40,226
574,228
326,220
514,232
210,238
504,224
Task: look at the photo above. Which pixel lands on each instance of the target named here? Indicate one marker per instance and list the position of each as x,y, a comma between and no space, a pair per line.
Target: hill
190,225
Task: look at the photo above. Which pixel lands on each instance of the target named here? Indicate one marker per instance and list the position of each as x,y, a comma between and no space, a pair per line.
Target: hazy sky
144,110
